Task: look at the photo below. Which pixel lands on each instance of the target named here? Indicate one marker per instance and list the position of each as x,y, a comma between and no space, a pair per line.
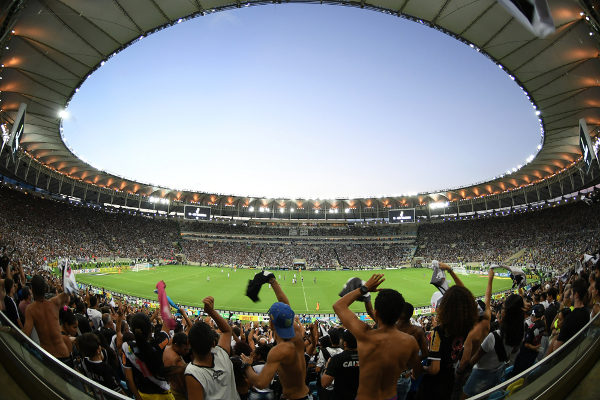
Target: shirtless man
43,315
384,353
173,361
287,357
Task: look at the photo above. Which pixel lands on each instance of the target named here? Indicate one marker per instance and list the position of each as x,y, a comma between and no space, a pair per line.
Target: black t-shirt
550,314
448,351
101,372
573,323
344,368
83,323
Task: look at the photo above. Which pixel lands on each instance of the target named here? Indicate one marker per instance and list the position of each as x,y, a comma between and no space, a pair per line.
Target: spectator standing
456,315
25,301
210,374
173,361
385,353
287,357
344,368
404,325
577,318
497,348
10,307
532,342
42,315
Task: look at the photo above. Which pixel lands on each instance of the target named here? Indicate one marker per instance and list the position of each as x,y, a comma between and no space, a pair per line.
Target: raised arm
446,267
274,359
347,317
488,295
188,323
281,297
226,331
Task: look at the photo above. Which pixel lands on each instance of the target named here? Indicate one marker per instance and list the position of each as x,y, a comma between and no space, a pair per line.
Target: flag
69,283
165,310
438,278
318,306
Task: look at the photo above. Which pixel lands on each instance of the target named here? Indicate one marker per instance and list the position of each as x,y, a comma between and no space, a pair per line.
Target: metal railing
554,376
41,375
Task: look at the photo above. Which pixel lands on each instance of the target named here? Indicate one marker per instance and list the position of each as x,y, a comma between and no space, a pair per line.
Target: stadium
102,243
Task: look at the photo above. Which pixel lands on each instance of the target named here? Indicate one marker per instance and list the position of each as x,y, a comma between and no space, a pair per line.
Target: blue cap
282,316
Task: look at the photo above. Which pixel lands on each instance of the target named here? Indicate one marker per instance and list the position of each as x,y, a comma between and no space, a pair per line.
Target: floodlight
291,210
251,209
281,210
64,114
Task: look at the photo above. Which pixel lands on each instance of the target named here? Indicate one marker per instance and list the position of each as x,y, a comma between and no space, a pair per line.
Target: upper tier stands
43,228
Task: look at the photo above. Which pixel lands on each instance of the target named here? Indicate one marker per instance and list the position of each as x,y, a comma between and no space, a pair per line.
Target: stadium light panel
251,209
281,210
438,205
291,210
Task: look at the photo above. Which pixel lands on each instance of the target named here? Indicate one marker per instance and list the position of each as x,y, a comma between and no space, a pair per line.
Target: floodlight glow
281,210
291,210
64,114
539,147
538,112
316,211
347,211
261,209
438,205
251,209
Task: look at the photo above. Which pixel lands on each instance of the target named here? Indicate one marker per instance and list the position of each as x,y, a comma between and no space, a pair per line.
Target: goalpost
141,267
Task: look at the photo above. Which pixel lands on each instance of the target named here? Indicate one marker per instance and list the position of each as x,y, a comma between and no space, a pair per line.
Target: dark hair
389,304
201,338
25,293
38,286
147,352
349,338
88,344
334,334
565,312
242,348
106,319
552,292
325,341
236,330
93,301
407,312
512,324
457,312
262,351
180,339
66,317
8,285
580,287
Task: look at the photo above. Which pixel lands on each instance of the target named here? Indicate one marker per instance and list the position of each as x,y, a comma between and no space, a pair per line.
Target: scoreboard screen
195,212
402,216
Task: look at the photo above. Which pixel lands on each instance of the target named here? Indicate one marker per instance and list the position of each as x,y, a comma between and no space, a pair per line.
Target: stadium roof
49,48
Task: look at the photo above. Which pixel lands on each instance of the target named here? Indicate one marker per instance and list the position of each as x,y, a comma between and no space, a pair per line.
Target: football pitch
188,285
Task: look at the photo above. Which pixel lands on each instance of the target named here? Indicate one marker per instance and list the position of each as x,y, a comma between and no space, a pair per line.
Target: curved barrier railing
41,376
555,376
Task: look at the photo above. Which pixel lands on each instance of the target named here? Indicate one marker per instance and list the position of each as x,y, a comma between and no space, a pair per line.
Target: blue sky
302,101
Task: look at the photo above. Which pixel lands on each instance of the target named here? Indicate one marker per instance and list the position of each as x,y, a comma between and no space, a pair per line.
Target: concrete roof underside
49,48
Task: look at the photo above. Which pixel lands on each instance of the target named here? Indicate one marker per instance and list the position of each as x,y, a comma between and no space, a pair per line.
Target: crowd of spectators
463,349
42,229
245,228
280,255
554,237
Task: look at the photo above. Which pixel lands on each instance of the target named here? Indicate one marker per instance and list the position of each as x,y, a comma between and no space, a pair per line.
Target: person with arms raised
384,353
287,357
42,315
210,374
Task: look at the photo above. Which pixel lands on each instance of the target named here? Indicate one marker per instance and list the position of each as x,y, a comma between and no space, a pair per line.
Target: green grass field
188,285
